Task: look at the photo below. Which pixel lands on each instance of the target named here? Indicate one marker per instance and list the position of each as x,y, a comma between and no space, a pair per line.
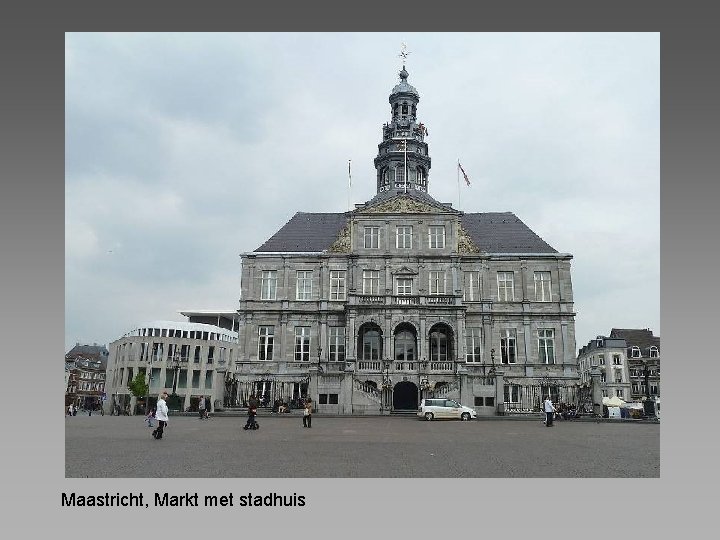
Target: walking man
161,415
549,412
252,411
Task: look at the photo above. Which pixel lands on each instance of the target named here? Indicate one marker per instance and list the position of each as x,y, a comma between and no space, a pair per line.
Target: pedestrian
74,410
252,411
69,410
161,414
150,417
549,412
201,407
307,414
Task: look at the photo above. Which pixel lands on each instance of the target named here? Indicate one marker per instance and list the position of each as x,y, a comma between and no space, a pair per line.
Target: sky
184,151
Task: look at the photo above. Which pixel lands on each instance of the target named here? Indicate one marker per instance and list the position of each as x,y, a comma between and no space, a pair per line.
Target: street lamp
648,406
386,385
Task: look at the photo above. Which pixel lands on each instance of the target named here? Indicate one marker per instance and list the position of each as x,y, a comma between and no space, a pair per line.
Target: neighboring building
608,355
403,297
190,358
643,353
85,367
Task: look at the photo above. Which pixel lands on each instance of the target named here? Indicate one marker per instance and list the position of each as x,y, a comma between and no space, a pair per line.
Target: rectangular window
437,282
337,284
506,286
371,281
268,285
333,399
372,237
337,343
436,236
653,389
403,238
196,378
616,360
403,286
211,354
182,379
302,343
512,393
196,356
546,346
620,393
304,285
323,399
508,346
601,359
603,377
169,378
473,345
471,291
208,379
266,341
542,287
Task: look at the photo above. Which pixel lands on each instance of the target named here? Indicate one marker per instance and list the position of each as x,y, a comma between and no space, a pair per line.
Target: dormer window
635,352
653,352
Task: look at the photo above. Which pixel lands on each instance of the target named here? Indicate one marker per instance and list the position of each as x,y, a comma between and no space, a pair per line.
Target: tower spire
402,162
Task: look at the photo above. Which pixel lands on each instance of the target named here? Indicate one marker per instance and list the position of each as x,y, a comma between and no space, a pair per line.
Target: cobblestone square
359,447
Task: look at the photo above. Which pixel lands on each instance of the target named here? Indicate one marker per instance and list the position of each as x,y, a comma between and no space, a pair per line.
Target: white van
431,409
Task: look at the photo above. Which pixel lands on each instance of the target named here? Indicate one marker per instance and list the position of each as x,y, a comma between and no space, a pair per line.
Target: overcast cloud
185,150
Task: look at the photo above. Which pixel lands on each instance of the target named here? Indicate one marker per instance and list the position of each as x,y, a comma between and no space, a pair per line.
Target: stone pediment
402,205
465,242
404,271
342,242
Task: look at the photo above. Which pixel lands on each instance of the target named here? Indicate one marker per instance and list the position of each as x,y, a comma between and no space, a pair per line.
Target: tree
138,387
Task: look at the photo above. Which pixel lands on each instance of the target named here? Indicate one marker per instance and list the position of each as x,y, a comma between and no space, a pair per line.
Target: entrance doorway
405,396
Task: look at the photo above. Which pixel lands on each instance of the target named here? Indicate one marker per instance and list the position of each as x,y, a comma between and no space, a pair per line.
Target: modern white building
187,358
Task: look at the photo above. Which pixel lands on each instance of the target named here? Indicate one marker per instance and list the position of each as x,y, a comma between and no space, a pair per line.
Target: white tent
613,402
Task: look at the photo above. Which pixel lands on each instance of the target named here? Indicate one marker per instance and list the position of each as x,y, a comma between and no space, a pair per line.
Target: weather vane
403,52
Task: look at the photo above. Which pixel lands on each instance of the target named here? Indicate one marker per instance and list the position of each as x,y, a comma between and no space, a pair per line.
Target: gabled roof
414,194
503,232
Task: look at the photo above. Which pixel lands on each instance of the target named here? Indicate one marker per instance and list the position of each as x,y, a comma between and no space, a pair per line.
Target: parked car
430,409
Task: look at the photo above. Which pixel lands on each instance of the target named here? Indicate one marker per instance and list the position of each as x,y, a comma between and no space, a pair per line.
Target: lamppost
386,385
648,405
176,368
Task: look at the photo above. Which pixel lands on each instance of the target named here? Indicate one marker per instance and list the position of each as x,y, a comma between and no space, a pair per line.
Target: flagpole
349,185
458,182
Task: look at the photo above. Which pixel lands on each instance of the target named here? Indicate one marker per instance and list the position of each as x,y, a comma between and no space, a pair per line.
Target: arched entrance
405,396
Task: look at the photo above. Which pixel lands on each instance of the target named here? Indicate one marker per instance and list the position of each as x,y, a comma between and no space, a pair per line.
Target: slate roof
642,338
91,352
503,232
306,232
492,232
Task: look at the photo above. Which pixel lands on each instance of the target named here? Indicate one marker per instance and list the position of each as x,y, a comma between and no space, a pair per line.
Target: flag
467,180
349,175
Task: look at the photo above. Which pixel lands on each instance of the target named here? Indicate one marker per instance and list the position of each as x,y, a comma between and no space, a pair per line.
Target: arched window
370,342
440,344
653,352
405,346
635,352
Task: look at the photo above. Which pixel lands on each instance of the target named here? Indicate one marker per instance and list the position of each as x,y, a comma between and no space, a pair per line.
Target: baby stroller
251,423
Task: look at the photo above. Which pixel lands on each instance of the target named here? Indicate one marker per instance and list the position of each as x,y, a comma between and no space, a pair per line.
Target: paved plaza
359,447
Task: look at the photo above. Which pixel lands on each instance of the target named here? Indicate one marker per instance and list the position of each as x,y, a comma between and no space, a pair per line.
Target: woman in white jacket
161,415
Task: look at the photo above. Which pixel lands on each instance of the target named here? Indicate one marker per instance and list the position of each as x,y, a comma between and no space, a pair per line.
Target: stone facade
608,356
403,298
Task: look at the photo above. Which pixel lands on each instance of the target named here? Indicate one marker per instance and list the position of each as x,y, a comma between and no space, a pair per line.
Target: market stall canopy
613,402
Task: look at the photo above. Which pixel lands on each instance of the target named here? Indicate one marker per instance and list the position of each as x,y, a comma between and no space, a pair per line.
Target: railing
445,389
444,300
405,366
369,390
406,300
441,366
369,365
371,299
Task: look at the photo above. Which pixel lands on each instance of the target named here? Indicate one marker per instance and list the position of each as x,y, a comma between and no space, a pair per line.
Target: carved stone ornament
465,243
402,205
342,243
